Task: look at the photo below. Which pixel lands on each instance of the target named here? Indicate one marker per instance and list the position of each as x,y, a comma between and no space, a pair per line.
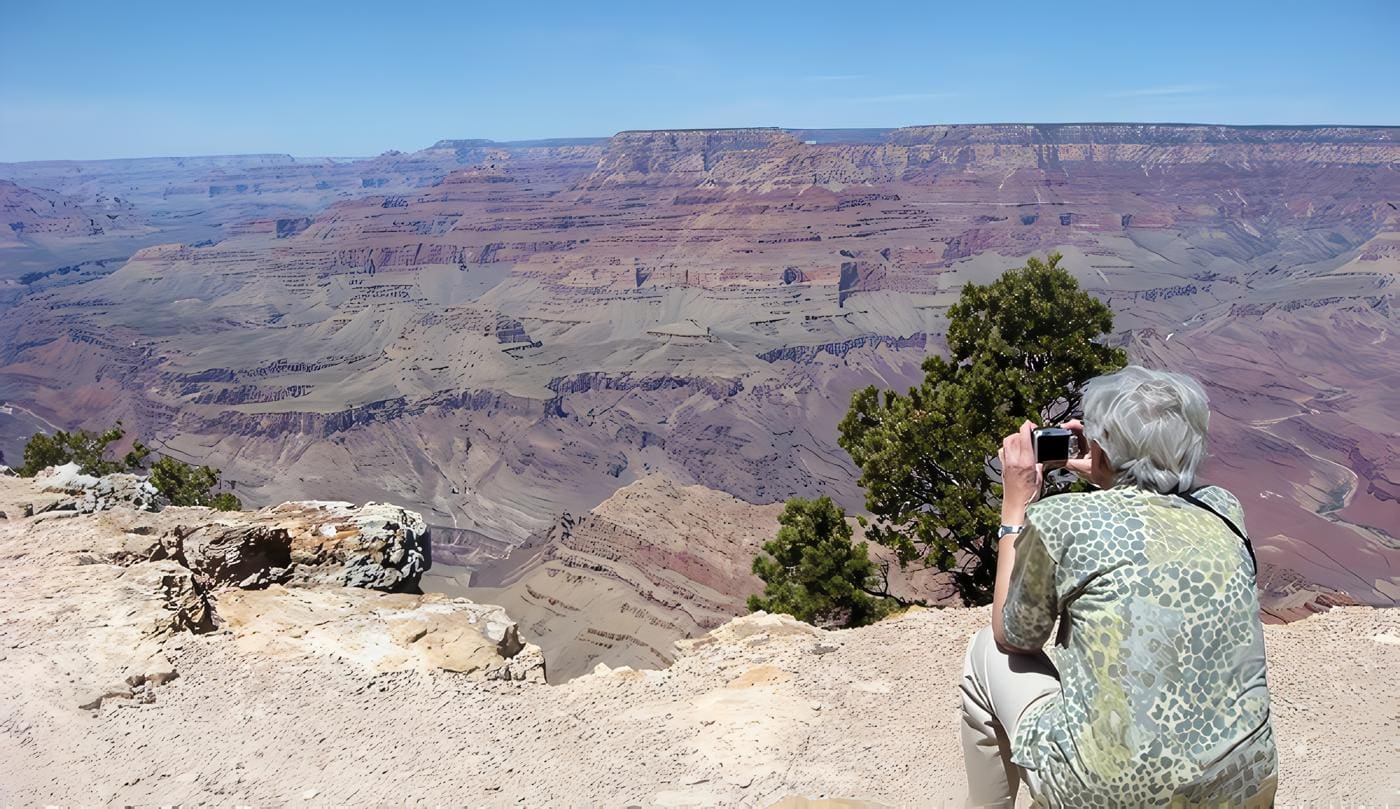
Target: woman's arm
1021,478
1006,559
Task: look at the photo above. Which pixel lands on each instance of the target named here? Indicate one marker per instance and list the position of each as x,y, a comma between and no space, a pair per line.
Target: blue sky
87,80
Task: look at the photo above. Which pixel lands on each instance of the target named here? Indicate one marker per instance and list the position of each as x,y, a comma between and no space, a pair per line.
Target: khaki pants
996,688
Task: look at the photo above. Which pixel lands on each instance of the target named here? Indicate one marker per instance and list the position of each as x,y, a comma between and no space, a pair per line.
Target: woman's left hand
1020,475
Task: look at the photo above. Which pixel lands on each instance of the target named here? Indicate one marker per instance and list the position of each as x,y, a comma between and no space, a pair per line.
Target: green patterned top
1163,697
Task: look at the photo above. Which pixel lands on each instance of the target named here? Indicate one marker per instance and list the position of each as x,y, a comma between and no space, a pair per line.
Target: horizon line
545,140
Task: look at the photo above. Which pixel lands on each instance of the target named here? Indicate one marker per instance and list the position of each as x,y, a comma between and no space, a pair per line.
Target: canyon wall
502,334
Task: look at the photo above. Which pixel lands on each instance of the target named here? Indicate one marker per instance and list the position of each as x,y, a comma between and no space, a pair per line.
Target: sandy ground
866,713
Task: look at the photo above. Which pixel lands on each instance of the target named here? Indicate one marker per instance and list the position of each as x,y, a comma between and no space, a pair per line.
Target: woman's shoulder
1124,502
1222,500
1075,519
1218,494
1067,504
1061,515
1121,498
1120,504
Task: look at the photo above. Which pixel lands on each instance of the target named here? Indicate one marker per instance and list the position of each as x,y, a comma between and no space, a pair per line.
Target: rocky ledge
308,692
98,603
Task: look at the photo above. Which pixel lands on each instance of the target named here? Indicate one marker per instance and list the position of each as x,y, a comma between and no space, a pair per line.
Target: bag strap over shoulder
1191,498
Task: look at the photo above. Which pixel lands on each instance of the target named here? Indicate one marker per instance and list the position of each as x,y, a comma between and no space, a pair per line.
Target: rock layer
381,633
376,546
552,322
654,564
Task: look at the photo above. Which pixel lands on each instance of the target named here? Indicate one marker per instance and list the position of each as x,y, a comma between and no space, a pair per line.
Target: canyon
546,347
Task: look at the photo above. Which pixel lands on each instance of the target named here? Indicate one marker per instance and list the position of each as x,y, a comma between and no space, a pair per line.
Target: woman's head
1150,426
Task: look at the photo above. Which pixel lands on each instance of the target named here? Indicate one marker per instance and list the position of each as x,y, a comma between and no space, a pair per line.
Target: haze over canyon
596,366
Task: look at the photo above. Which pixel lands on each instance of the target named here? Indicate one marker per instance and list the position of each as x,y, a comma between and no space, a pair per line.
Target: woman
1160,696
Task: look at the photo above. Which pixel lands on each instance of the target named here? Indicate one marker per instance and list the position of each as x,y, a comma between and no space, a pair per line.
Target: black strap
1191,498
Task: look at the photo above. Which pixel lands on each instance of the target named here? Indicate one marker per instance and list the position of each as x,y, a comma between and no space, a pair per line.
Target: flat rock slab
378,631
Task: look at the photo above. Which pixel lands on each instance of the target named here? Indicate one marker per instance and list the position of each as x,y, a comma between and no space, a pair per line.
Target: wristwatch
1008,530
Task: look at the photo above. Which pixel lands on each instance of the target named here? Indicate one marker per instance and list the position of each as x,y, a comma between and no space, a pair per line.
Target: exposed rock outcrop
65,491
381,632
375,546
754,625
98,605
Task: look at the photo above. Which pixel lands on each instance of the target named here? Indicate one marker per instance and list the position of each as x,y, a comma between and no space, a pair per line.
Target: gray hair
1151,425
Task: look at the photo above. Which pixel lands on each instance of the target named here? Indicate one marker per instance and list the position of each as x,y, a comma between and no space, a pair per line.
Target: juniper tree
87,450
182,484
188,485
1019,348
814,572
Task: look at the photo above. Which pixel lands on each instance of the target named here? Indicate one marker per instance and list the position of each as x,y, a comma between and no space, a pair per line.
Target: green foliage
1019,348
225,501
814,572
188,485
181,483
88,450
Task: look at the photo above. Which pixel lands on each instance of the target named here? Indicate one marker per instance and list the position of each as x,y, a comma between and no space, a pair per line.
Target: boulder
115,592
86,494
753,628
67,477
234,553
376,546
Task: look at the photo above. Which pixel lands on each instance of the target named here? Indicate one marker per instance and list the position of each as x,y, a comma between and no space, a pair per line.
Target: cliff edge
285,686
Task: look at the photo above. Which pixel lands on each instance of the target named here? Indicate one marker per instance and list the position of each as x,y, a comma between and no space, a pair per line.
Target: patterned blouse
1163,697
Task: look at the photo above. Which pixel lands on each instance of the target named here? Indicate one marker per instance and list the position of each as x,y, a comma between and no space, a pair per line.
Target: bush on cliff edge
181,483
188,485
814,572
87,450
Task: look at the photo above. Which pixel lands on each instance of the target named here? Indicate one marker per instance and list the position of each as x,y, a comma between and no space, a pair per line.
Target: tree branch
884,591
903,602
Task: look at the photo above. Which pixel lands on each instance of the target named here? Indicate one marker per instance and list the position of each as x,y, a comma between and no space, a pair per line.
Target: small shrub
182,484
814,572
189,485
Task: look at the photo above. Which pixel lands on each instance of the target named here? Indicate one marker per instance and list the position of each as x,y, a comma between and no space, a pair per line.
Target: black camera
1052,445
